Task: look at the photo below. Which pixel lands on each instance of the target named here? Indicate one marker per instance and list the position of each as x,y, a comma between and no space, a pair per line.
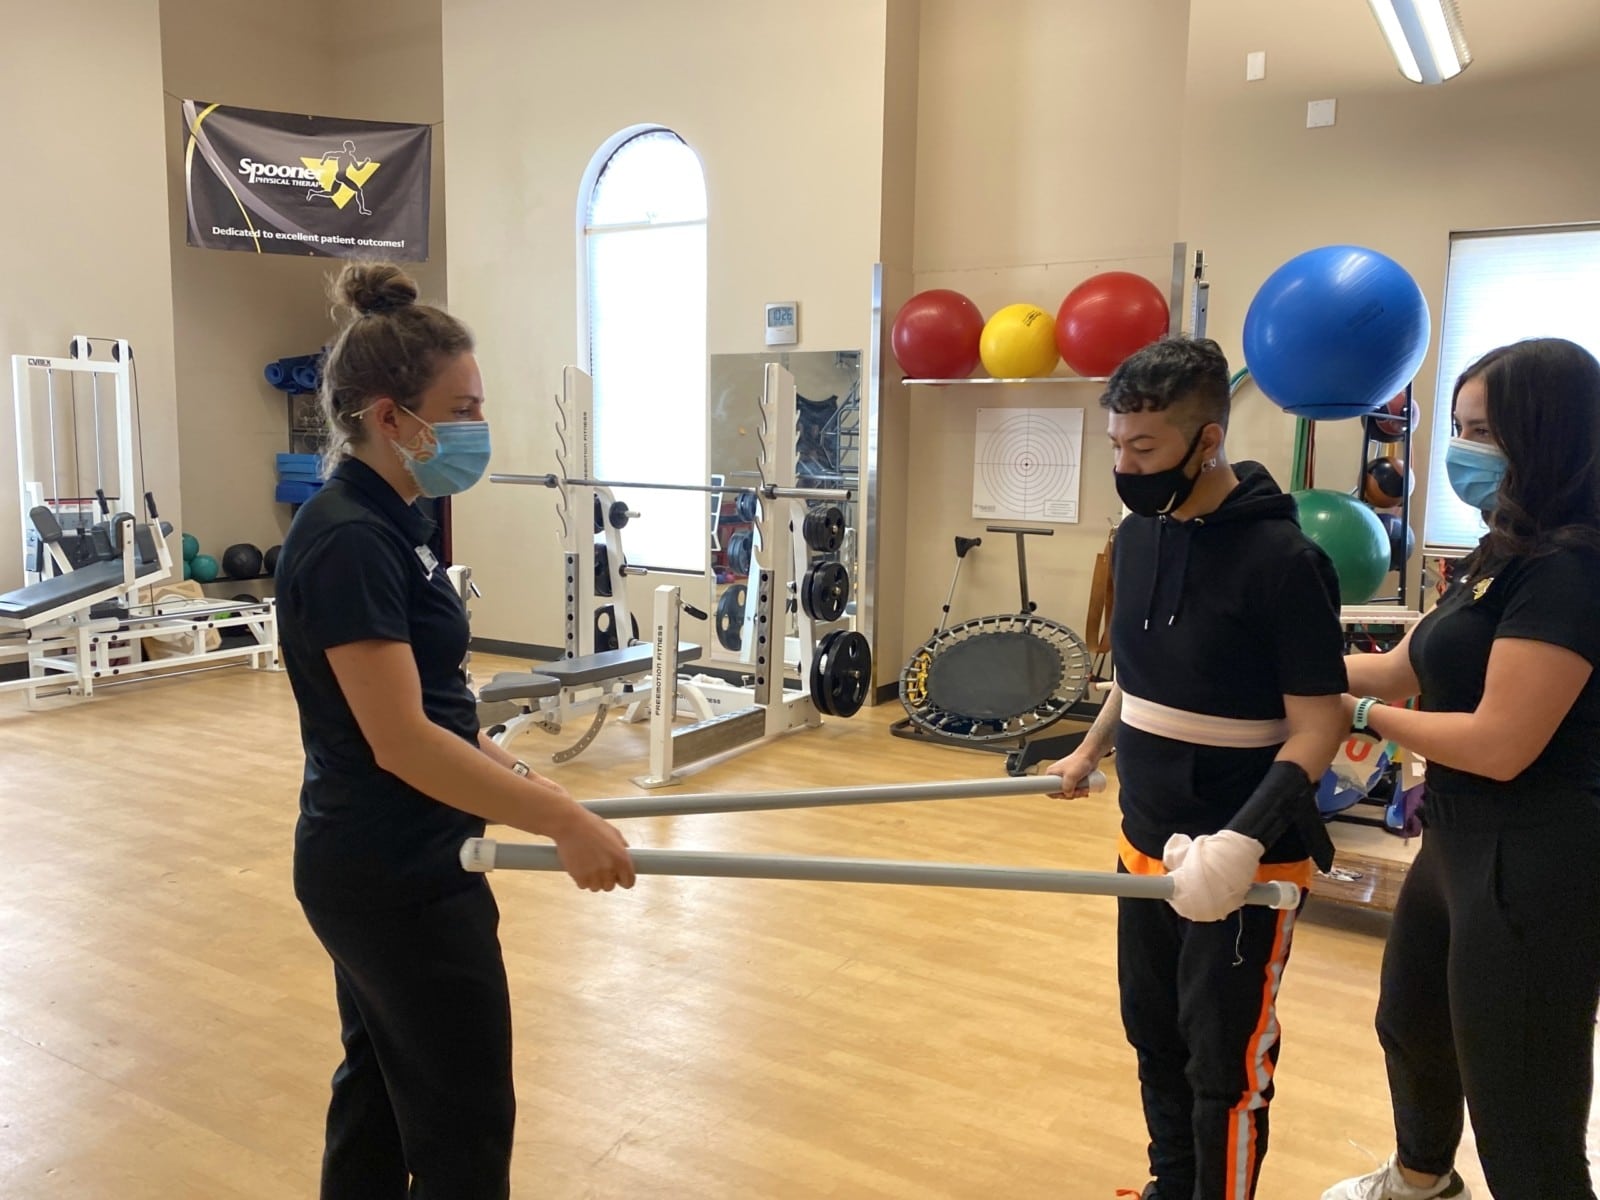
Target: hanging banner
284,183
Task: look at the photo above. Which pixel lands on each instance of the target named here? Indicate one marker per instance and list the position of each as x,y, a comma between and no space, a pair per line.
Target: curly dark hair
1176,372
1544,411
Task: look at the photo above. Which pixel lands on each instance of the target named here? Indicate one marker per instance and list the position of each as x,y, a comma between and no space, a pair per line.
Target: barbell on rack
770,490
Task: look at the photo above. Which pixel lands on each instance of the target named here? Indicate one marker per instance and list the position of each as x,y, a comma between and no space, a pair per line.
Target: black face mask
1158,493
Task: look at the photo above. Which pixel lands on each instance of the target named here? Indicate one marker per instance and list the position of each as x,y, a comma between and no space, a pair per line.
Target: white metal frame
30,486
778,565
68,650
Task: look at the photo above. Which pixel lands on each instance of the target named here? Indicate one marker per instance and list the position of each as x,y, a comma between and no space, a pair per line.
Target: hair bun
372,288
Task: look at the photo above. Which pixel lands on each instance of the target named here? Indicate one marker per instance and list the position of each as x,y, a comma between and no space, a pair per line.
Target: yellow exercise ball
1019,342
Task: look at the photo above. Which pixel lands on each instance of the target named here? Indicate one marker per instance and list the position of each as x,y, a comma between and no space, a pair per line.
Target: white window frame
1460,345
661,503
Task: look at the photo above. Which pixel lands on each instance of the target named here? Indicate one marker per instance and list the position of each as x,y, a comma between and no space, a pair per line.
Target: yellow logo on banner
356,172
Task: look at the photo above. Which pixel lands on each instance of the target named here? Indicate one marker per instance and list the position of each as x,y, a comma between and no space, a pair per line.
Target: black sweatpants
1491,978
1199,1005
423,1104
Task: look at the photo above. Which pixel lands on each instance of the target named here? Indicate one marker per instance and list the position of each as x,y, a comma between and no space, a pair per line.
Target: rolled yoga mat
297,373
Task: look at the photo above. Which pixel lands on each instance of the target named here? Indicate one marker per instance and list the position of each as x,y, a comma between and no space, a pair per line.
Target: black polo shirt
1549,598
356,567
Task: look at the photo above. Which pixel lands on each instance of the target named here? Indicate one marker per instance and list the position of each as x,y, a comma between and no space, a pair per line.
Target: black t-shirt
1224,616
356,567
1551,598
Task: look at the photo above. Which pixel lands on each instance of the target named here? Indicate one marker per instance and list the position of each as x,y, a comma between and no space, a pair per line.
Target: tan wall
1403,166
235,312
85,242
1046,152
785,114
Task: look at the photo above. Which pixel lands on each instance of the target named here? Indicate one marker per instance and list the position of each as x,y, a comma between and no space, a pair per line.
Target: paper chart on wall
1026,464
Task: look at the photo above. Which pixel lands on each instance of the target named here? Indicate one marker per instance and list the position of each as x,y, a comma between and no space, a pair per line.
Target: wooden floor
167,1028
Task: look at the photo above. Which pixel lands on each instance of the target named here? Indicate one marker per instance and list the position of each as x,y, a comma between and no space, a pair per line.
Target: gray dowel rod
697,803
481,855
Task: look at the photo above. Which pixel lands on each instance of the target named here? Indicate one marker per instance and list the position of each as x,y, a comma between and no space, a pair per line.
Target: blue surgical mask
1475,472
457,459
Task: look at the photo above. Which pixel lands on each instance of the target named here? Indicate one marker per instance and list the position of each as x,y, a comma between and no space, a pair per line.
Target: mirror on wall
828,450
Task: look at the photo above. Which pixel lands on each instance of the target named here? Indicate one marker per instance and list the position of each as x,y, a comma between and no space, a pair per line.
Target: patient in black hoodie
1229,671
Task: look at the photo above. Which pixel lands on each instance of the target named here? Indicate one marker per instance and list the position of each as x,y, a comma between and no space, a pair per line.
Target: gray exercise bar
771,490
481,855
698,803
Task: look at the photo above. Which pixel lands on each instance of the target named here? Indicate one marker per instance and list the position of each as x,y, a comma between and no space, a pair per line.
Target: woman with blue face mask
397,773
1491,974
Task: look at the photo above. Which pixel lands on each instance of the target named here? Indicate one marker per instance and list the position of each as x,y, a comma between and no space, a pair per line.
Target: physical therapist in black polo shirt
1491,975
397,773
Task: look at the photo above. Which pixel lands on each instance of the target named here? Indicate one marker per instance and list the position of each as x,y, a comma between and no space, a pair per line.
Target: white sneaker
1386,1183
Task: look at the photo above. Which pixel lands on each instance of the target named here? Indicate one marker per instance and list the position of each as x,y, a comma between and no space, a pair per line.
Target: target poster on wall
1026,465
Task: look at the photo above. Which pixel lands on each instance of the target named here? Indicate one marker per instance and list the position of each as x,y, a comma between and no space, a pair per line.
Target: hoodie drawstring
1185,540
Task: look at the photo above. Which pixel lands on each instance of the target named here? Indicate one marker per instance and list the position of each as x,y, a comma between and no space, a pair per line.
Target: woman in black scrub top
1491,975
397,774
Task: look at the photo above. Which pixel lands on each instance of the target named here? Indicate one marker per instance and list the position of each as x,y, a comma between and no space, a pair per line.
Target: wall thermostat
783,323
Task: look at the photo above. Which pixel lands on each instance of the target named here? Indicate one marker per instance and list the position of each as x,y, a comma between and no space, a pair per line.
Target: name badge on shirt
429,562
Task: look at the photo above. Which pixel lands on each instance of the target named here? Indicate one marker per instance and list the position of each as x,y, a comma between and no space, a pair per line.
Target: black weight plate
741,550
730,617
847,675
745,506
619,513
825,591
599,518
819,690
602,571
605,629
824,529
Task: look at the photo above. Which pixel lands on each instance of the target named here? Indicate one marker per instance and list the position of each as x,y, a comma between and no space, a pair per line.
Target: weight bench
85,586
518,685
50,599
610,664
514,699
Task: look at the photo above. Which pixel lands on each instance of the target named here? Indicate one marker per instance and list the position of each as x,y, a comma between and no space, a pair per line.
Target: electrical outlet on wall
1319,113
1255,65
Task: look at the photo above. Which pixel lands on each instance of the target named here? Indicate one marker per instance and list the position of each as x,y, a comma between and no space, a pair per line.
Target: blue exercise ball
1336,332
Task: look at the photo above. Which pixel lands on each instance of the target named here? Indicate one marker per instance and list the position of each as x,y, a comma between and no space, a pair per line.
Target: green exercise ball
188,569
1352,535
205,569
191,547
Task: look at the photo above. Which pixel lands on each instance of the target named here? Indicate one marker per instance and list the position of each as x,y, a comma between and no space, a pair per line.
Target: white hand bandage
1211,874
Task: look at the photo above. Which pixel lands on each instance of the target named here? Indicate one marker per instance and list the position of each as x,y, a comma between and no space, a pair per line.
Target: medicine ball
241,561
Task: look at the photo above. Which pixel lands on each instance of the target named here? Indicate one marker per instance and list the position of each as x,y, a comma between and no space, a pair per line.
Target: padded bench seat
61,591
610,664
518,685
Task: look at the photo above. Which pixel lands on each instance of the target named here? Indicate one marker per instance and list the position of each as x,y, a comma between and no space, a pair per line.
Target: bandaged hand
1210,874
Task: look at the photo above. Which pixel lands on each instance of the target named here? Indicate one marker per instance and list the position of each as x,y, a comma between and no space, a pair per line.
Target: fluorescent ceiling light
1425,37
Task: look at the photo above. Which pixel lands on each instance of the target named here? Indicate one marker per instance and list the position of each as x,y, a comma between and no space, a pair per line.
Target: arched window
643,215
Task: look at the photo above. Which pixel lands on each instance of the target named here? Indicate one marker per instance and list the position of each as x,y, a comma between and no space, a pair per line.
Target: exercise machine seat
63,590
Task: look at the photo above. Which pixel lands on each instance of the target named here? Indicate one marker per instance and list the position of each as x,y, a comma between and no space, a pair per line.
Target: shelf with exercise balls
939,337
1338,333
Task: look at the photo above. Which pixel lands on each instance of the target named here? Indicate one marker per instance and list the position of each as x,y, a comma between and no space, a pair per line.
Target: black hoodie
1222,615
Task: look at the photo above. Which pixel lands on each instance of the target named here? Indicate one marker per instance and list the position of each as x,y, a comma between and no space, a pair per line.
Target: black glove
1286,799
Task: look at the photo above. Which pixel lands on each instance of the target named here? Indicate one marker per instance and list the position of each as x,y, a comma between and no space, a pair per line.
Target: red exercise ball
1106,318
1380,430
935,335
